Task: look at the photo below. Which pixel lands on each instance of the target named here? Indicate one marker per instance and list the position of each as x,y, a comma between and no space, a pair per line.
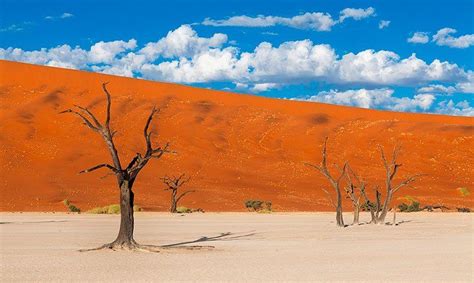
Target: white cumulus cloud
444,38
106,52
374,98
419,37
182,41
356,14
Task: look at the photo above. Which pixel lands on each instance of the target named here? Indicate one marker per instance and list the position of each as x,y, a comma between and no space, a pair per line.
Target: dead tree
391,169
335,182
351,193
173,184
125,176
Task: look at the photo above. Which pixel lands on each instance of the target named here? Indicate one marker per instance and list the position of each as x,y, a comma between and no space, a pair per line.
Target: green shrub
414,206
259,206
70,207
113,209
183,209
73,208
464,191
109,209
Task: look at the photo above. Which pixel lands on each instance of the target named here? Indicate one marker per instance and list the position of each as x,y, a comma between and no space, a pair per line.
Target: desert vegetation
125,176
355,188
110,209
70,206
258,205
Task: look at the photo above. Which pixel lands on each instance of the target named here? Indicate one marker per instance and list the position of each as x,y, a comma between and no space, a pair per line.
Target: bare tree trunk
125,235
339,216
356,215
377,206
173,201
383,213
394,216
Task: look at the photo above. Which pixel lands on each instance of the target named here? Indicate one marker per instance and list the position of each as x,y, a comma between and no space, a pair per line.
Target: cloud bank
183,56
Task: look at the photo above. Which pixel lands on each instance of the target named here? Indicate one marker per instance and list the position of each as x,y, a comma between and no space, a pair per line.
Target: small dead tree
173,184
335,182
126,176
391,169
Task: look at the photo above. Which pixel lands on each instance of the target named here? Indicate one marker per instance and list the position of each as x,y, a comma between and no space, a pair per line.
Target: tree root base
134,246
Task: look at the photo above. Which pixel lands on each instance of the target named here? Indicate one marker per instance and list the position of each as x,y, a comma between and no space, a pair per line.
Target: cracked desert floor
429,247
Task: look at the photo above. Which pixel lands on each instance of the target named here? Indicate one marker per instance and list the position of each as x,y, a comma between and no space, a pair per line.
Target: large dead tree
125,176
335,182
174,184
391,169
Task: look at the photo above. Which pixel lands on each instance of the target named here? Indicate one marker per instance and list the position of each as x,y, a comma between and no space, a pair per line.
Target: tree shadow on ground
383,224
181,246
32,222
228,236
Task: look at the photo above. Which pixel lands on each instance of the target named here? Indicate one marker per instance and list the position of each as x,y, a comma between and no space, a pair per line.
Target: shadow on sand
228,236
33,222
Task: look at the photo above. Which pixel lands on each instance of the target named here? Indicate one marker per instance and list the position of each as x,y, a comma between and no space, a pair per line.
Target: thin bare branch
100,166
183,194
146,133
86,121
107,118
407,181
97,124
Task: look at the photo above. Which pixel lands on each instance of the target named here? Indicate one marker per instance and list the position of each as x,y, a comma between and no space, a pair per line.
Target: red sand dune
235,146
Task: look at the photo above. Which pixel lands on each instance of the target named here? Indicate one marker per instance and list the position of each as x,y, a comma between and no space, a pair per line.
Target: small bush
259,206
253,205
367,206
464,191
111,209
73,208
183,209
70,207
137,208
463,209
414,206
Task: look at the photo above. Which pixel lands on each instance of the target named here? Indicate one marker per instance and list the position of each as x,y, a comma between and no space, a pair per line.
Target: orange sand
235,146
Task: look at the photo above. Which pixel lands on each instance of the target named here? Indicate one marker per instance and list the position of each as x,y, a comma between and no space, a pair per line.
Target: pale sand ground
272,247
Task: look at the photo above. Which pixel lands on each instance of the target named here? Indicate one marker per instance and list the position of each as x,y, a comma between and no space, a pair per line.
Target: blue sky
358,53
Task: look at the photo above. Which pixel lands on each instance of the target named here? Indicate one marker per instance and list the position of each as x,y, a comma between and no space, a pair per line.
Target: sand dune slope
234,146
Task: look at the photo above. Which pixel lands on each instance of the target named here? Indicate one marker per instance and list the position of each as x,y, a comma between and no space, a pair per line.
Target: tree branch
98,125
86,121
100,166
183,194
407,181
107,118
